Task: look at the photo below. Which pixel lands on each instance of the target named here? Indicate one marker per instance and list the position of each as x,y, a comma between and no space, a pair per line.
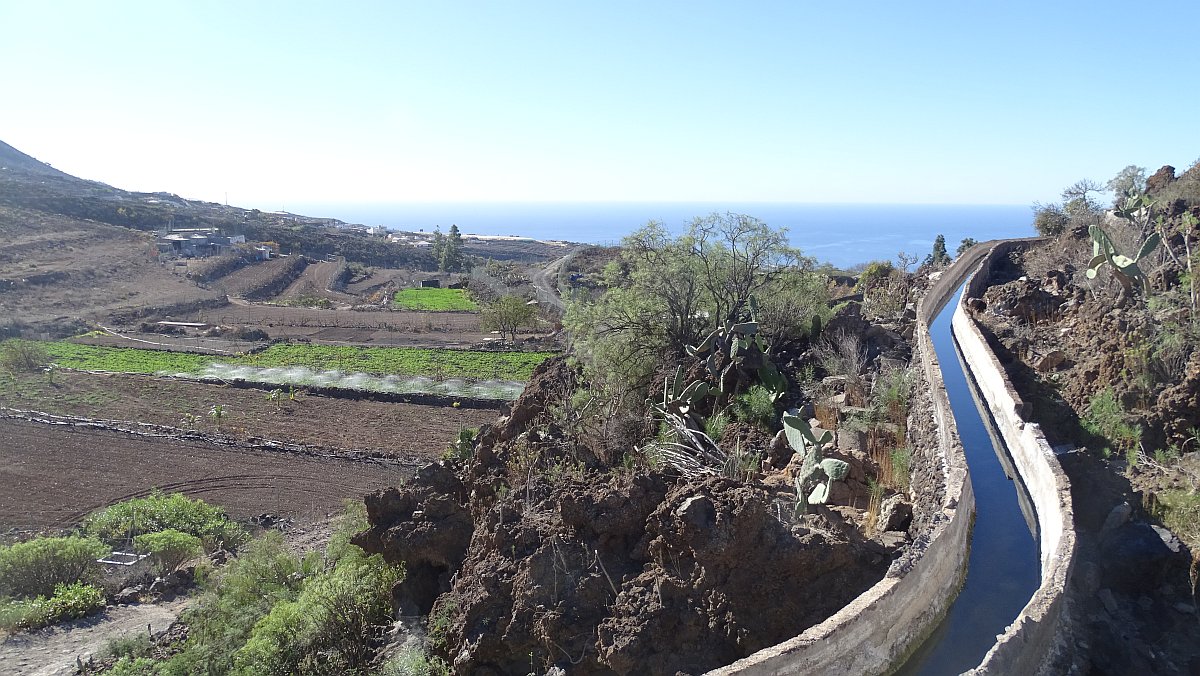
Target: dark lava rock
1135,558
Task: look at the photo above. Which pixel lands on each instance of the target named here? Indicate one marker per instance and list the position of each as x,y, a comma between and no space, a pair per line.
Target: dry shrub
23,356
843,354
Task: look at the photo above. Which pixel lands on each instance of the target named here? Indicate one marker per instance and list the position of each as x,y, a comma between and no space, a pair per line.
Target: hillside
82,250
13,160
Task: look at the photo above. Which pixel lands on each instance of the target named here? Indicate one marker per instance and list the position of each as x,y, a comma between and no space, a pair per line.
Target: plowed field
54,475
409,431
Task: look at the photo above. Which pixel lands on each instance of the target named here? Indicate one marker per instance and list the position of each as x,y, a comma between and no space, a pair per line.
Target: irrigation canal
1003,570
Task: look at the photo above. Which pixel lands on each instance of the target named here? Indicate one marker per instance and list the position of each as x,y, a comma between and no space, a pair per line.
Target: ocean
840,234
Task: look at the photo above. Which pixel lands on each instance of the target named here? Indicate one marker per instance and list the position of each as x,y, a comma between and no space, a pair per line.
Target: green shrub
159,512
715,426
136,645
1180,511
901,467
168,549
264,574
70,601
756,406
36,567
1105,421
330,622
1050,220
876,273
415,662
270,612
132,666
891,395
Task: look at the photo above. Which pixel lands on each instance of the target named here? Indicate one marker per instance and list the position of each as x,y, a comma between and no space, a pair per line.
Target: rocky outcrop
533,551
1160,180
427,526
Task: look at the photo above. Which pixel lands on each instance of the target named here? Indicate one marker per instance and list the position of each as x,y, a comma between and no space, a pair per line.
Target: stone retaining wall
1038,639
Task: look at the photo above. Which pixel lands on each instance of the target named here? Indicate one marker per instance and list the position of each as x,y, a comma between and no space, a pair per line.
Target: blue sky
277,102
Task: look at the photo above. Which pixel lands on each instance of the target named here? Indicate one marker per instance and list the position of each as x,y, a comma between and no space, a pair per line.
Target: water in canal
1003,571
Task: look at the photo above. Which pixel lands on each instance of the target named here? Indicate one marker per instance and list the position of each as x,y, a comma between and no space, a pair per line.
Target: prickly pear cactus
679,398
811,488
1124,268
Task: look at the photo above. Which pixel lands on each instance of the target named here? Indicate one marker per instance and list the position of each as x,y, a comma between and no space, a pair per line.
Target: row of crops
389,369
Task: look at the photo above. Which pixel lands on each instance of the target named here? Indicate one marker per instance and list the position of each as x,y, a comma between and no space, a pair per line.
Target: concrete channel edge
1038,640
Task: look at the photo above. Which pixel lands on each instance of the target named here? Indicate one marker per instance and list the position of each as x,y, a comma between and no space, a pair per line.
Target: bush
1180,511
876,273
159,512
415,662
1105,420
1049,219
69,601
329,623
23,356
263,575
132,666
270,612
756,406
168,549
136,645
37,567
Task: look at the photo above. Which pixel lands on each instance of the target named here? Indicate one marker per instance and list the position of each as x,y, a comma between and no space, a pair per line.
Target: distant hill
33,186
13,160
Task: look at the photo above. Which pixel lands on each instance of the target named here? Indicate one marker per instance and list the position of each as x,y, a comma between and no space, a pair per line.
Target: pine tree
965,244
438,249
939,256
451,259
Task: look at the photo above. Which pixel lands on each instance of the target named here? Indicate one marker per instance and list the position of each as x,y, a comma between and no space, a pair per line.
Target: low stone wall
1036,640
880,628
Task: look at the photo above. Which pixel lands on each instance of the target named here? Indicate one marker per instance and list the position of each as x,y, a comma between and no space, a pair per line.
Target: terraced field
384,361
54,475
434,300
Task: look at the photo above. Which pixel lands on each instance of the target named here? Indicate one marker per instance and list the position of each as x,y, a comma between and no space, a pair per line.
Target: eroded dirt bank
532,554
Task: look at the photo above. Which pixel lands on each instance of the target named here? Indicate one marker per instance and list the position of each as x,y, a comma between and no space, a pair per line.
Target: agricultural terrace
385,361
434,300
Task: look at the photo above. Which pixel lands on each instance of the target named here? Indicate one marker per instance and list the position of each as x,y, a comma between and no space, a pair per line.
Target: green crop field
434,300
124,359
438,364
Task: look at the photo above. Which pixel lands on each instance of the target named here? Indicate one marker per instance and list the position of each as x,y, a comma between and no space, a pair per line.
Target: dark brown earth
416,432
533,551
55,267
54,475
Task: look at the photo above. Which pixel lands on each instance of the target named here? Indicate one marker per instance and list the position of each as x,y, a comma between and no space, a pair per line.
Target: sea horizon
842,234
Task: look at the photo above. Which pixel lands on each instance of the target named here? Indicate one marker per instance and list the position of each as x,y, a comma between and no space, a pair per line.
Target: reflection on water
1004,569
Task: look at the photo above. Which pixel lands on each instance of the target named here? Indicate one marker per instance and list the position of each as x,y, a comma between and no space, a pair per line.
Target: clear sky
885,102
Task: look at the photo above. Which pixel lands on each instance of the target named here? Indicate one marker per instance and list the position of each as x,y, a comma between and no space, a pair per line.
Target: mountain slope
17,162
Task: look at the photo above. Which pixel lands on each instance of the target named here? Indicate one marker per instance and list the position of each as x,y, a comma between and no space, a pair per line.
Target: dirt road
545,281
53,651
